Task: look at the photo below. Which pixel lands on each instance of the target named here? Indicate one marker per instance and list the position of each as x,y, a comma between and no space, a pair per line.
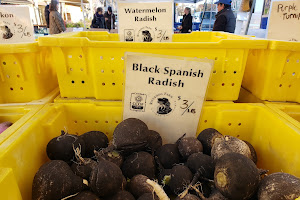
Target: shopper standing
47,13
225,19
56,22
187,21
110,19
98,21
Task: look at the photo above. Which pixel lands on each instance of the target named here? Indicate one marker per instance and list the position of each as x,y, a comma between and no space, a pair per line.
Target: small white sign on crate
166,92
145,21
284,21
15,25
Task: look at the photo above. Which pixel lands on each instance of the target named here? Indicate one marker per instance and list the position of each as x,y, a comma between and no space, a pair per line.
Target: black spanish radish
281,186
52,177
154,140
138,185
207,138
168,155
148,196
202,162
181,177
229,144
253,152
121,195
62,147
112,156
106,178
82,167
236,176
85,195
94,140
189,145
139,163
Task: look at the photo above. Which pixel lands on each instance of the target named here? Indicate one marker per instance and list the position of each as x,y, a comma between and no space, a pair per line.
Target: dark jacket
225,21
98,21
110,21
187,23
47,13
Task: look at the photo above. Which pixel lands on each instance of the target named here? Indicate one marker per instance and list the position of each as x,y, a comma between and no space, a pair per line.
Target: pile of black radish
136,165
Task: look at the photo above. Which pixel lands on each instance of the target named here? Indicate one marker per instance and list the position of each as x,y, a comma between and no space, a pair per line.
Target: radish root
68,197
159,191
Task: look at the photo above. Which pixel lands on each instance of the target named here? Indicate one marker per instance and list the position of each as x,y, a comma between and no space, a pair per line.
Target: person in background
110,19
56,22
187,21
98,21
225,19
47,13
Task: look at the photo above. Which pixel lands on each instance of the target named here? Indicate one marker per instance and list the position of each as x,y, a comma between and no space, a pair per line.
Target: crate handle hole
75,122
234,72
283,73
216,58
85,121
229,124
225,72
80,56
238,136
205,121
73,82
280,85
113,84
117,122
7,76
103,84
21,88
15,63
122,58
82,82
223,84
112,71
96,121
81,69
106,122
214,71
240,124
232,84
290,86
294,73
71,69
11,88
102,71
288,60
213,84
4,63
18,76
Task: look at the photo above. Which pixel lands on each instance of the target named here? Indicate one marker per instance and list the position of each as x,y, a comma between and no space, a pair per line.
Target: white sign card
145,21
284,22
15,24
166,92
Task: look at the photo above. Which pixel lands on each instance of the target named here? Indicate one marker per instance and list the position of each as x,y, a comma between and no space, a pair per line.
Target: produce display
137,165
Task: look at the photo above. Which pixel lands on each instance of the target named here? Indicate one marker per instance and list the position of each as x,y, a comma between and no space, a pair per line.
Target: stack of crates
90,70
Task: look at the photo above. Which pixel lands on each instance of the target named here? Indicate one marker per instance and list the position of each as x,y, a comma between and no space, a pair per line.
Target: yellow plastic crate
273,74
21,155
290,112
26,72
18,115
91,64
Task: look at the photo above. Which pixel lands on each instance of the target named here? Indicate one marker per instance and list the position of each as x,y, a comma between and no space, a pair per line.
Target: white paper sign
145,21
15,25
284,22
166,92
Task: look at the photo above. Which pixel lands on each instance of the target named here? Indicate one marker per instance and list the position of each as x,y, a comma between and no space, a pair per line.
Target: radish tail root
159,191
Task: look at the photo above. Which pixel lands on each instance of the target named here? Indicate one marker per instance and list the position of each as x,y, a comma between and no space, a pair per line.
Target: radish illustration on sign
166,92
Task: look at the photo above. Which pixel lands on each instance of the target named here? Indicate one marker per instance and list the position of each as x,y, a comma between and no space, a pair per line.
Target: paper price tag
145,21
15,25
166,92
284,22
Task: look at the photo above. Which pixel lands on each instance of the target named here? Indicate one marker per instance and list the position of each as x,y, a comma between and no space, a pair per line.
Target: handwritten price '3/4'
22,30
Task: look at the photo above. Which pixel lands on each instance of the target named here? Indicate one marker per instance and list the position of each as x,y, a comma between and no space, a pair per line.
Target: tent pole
84,27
